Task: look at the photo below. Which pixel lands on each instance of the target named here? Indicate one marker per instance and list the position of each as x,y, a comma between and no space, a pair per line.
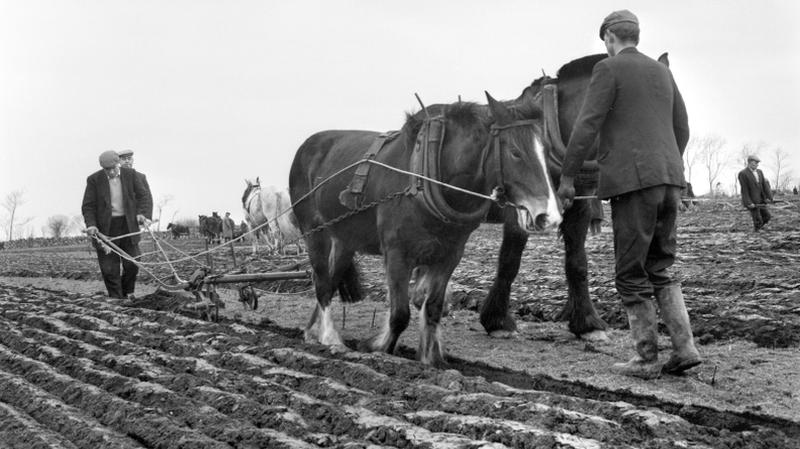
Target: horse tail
350,286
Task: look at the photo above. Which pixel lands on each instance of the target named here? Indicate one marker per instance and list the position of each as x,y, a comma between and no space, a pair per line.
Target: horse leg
398,271
433,285
320,327
579,310
495,316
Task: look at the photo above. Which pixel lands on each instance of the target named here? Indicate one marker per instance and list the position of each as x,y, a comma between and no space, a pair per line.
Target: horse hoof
503,334
310,337
596,336
338,349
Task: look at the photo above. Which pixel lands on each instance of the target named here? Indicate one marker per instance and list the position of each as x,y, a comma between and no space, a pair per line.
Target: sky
210,93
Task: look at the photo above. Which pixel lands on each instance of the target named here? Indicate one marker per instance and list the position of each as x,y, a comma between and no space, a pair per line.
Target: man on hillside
634,106
756,192
115,202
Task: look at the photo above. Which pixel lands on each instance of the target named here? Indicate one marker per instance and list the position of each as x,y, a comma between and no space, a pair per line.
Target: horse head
516,165
249,189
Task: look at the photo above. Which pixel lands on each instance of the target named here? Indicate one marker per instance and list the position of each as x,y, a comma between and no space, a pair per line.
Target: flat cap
125,153
109,159
753,157
616,17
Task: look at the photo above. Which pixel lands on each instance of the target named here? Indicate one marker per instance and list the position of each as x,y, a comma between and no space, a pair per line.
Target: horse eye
516,153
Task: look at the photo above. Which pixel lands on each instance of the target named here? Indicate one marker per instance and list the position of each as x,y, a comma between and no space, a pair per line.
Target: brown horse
411,222
571,83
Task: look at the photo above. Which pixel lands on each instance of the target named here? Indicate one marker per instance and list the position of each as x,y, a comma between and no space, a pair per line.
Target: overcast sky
208,93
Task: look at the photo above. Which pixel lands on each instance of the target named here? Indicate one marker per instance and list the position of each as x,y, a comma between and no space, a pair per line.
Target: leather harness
425,160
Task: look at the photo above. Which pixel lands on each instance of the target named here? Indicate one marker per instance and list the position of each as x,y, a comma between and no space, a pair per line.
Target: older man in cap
115,202
634,106
126,161
756,192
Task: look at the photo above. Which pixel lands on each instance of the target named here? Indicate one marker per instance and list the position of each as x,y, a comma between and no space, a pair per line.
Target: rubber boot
676,318
642,320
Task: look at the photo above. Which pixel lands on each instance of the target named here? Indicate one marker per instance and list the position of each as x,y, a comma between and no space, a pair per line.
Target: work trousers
119,274
761,216
644,223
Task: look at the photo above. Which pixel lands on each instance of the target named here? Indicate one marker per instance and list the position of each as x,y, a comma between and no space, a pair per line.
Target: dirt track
80,370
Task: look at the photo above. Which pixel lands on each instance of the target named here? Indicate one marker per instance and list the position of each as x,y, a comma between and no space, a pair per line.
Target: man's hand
566,191
751,206
92,231
143,220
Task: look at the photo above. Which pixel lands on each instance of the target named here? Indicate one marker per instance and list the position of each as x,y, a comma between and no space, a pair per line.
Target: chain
353,212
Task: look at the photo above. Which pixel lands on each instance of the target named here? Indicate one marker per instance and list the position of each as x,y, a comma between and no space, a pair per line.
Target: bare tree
11,204
160,205
58,225
783,177
712,157
691,155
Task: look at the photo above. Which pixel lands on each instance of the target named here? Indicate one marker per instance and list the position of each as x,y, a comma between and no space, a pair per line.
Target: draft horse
413,222
560,99
267,208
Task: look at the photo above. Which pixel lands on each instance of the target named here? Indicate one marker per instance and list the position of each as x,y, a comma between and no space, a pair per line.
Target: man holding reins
634,105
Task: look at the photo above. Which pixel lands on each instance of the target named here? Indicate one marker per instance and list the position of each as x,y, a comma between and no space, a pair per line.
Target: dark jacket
96,207
754,192
633,103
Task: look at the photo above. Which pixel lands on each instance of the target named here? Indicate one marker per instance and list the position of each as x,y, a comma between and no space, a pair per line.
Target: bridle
255,188
426,158
496,144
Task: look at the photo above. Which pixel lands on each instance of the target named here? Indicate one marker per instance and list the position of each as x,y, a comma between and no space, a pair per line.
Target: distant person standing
228,226
115,202
756,192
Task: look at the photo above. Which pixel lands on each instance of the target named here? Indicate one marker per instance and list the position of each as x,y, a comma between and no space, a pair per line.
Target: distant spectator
227,227
794,190
126,161
756,192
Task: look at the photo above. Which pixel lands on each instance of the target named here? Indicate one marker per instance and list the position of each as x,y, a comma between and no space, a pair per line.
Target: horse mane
463,114
580,67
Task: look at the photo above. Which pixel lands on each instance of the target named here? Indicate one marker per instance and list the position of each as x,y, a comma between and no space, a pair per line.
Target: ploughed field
80,370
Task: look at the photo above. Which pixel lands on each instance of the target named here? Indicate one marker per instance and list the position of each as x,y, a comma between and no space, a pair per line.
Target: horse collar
425,161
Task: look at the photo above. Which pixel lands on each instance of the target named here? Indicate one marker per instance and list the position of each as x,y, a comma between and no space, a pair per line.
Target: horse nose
544,221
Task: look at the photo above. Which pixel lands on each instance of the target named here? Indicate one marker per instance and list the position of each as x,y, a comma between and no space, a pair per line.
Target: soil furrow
332,414
54,414
20,430
145,425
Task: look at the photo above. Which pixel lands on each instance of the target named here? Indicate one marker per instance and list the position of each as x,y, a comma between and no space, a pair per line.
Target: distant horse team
178,230
211,227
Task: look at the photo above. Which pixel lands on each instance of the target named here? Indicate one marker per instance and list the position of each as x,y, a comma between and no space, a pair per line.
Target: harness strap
552,130
588,173
353,196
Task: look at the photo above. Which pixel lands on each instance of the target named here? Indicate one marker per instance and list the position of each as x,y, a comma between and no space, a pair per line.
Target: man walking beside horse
634,105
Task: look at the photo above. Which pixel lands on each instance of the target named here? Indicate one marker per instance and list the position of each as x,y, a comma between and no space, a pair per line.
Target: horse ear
258,181
502,115
664,59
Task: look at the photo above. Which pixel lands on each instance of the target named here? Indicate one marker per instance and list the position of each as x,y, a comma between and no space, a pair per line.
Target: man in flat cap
756,192
634,106
126,161
115,202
